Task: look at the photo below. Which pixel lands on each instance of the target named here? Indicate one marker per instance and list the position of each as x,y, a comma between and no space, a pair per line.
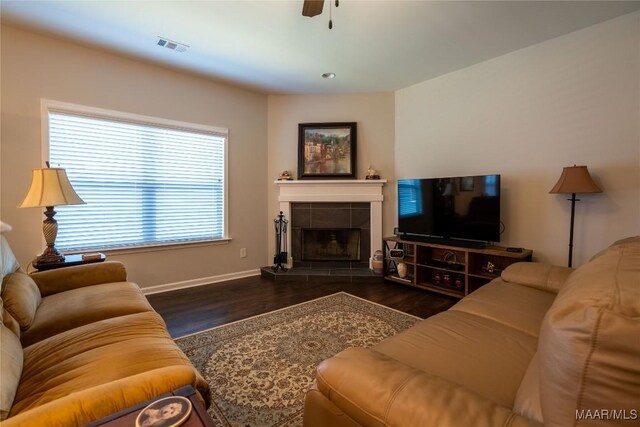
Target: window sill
154,248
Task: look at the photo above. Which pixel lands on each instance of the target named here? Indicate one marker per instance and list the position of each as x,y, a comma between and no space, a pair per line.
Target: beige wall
525,115
36,66
571,100
374,113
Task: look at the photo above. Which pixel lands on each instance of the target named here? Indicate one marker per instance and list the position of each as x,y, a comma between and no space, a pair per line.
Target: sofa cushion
589,344
11,323
485,356
375,390
10,369
527,401
513,305
67,310
96,354
628,241
21,298
537,275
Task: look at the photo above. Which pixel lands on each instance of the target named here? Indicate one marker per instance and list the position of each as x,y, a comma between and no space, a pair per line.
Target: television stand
445,268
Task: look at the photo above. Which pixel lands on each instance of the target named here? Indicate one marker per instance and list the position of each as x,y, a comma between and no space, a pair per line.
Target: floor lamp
574,179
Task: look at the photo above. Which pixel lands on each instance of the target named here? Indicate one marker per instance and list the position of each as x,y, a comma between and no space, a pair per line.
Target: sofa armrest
537,275
67,278
80,408
374,389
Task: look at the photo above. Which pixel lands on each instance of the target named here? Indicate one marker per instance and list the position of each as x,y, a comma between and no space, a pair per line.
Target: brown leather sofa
80,343
542,345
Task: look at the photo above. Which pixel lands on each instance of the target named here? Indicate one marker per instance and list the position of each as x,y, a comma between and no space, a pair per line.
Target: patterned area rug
260,368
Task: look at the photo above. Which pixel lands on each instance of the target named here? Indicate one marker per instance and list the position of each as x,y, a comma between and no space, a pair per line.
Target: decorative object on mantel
327,150
372,173
574,179
285,176
50,187
280,258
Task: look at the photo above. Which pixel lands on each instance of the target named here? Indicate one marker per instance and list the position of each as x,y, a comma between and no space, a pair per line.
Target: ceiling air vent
170,44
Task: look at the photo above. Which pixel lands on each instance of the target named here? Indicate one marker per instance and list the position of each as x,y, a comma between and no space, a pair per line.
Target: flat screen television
463,209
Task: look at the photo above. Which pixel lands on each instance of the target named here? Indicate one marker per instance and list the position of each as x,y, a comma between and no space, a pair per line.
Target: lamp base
50,231
49,256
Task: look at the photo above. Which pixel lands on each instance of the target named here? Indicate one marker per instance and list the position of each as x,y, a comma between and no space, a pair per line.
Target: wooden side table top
127,417
69,261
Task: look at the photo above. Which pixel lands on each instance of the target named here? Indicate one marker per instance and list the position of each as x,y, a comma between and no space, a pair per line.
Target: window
146,181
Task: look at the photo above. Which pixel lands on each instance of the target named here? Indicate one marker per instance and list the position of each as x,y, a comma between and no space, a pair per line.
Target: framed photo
170,411
466,183
327,150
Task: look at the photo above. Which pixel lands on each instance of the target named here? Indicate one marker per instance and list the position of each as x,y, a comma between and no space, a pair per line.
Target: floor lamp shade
50,187
574,179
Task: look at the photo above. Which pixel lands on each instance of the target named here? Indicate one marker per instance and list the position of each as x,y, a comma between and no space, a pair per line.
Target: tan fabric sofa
80,343
542,345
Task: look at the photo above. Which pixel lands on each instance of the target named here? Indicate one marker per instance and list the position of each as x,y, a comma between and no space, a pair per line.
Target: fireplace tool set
280,258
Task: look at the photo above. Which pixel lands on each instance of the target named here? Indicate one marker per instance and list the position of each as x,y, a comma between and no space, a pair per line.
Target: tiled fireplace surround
339,215
333,204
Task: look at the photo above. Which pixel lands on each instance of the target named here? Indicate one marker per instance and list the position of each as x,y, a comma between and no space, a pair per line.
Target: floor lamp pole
574,180
573,214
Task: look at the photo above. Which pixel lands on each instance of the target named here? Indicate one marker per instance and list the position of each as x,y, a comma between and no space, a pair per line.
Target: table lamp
574,179
50,187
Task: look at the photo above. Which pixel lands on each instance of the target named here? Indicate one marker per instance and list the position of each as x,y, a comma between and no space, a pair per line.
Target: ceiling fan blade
312,8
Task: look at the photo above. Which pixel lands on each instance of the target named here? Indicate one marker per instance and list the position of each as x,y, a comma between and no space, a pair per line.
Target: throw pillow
21,298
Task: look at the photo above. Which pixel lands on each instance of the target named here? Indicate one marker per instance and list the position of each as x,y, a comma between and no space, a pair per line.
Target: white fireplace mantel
314,191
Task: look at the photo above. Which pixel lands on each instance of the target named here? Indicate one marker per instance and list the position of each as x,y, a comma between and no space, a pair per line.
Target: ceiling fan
312,8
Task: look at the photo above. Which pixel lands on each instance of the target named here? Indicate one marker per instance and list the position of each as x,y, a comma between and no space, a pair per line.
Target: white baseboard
199,282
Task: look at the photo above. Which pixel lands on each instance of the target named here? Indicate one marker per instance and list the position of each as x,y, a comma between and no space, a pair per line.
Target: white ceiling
270,46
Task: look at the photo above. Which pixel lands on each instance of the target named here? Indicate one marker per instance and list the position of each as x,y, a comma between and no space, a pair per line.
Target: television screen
465,207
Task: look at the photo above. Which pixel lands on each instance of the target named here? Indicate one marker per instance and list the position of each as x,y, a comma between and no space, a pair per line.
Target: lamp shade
50,187
575,179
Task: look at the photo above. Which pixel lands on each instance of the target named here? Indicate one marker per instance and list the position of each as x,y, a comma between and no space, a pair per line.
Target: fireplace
330,244
330,235
306,204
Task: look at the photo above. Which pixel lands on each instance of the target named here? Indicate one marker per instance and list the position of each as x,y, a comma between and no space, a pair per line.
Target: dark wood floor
195,309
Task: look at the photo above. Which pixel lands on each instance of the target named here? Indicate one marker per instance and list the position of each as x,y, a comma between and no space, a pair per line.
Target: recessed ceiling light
329,75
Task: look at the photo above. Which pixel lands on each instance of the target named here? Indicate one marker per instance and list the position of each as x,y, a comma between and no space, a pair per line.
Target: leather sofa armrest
374,389
537,275
92,404
67,278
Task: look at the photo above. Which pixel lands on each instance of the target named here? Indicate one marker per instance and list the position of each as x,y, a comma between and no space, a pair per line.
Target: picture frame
327,150
169,411
466,183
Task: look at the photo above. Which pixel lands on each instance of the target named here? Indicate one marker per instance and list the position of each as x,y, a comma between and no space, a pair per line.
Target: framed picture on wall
327,150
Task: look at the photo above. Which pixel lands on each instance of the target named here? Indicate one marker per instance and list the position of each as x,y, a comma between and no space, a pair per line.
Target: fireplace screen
335,244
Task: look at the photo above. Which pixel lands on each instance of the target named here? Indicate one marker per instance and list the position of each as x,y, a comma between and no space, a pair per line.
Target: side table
69,261
127,417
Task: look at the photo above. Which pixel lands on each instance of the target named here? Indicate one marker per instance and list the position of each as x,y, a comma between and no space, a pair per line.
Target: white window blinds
144,184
